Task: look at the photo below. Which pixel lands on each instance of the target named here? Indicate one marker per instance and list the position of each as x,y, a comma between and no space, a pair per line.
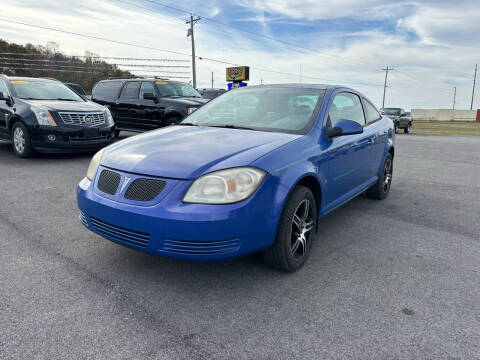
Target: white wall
444,114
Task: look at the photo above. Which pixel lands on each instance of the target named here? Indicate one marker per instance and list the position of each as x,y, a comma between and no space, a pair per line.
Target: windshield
392,111
43,90
167,89
291,110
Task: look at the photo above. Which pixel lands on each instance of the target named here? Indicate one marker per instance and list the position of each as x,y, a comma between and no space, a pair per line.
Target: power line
94,57
169,51
315,51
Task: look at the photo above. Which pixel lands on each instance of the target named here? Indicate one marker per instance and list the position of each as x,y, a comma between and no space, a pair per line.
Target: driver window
3,88
346,106
145,88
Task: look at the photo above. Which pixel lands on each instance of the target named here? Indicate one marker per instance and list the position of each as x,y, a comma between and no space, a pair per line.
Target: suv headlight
43,116
225,186
191,110
108,117
92,168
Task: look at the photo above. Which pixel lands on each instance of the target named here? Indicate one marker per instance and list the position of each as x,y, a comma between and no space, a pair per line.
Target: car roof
25,78
300,86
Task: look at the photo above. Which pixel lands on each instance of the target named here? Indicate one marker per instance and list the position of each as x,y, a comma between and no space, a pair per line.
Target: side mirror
344,127
150,96
403,114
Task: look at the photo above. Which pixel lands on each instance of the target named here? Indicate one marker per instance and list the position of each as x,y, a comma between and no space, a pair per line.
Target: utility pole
192,22
473,90
387,69
212,79
454,101
261,81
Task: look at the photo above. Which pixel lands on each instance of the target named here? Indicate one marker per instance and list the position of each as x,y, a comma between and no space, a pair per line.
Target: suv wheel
172,120
295,232
21,140
407,129
381,188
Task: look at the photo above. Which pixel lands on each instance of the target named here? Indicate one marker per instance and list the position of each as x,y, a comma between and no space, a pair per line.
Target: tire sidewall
27,150
285,228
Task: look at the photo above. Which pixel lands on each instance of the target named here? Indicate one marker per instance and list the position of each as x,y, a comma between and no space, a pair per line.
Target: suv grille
108,182
82,118
144,189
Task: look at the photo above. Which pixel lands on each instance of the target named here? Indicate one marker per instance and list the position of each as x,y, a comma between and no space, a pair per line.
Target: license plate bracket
93,132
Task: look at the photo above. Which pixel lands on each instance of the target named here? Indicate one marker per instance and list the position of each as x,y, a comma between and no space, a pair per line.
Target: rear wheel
407,129
382,187
295,232
21,140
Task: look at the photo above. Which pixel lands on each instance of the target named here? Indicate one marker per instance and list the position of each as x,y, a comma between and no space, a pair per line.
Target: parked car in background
145,104
45,115
258,178
77,88
211,93
399,118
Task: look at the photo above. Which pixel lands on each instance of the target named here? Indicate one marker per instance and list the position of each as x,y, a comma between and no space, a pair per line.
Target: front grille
83,218
108,182
86,138
201,247
82,118
120,234
144,189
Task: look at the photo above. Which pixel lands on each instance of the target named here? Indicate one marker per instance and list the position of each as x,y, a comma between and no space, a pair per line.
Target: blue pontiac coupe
252,170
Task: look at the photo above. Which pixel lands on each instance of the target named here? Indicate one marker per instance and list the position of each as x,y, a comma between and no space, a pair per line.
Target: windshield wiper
187,124
229,126
64,99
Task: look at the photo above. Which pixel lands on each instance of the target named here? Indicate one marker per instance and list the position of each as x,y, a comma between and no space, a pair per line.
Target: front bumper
65,139
188,231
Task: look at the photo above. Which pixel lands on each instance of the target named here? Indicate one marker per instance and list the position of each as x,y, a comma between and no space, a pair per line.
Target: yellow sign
161,82
238,73
18,82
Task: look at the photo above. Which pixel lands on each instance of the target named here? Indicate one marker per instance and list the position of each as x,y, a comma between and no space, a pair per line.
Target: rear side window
346,106
371,112
146,88
130,91
3,88
107,90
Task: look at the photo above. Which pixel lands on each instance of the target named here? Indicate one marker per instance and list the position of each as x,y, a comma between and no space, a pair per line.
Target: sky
433,46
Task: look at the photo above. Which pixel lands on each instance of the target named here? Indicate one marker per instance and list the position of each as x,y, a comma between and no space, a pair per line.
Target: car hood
188,101
187,152
58,105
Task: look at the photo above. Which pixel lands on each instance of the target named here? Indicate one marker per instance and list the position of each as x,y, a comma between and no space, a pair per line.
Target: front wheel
295,232
21,141
396,129
172,120
407,129
381,188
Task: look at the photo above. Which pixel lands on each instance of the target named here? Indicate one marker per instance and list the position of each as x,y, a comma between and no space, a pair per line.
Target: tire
396,129
21,143
407,129
172,120
381,188
290,249
117,134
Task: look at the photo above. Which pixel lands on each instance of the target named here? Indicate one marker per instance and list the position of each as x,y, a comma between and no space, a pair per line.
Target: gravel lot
398,279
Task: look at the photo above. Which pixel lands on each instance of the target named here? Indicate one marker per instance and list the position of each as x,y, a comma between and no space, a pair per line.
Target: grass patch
445,127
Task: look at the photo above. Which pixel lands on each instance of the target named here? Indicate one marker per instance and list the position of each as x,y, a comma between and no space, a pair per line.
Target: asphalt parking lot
393,279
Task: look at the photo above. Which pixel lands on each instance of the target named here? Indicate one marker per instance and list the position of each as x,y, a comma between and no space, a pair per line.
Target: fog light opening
52,137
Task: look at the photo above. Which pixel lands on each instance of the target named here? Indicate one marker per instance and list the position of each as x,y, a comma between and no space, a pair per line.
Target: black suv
143,104
45,115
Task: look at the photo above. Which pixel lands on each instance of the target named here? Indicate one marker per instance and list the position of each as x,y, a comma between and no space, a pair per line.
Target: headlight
43,116
92,168
108,118
225,186
190,110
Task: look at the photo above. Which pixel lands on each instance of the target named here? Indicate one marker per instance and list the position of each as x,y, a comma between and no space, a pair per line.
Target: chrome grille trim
201,247
120,234
85,119
83,218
